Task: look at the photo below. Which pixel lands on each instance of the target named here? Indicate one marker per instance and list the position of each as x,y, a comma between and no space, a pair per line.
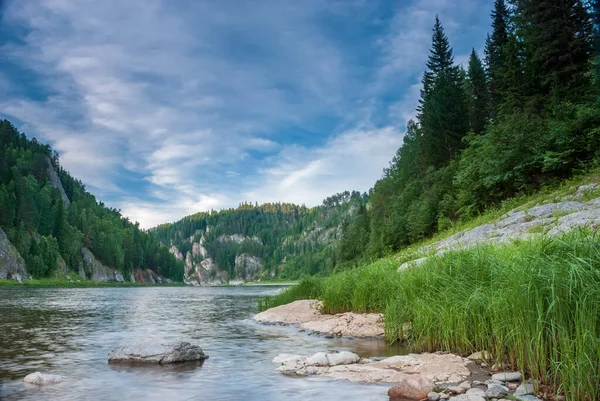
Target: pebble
456,389
508,376
524,389
433,396
495,391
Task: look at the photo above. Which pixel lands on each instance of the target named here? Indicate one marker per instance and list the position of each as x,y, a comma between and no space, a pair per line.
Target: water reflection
71,331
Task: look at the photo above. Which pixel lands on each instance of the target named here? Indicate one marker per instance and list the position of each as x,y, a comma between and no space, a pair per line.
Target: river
70,332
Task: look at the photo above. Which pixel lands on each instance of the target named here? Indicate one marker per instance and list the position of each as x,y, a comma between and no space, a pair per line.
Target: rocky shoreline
426,376
306,314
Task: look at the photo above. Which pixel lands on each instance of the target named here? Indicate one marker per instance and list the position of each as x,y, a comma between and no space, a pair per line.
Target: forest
291,240
523,115
48,227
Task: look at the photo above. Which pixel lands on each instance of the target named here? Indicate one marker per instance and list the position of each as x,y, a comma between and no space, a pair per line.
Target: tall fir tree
444,116
478,94
494,51
558,38
440,60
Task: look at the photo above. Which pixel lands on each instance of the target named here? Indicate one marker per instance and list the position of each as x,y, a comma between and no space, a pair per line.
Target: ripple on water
70,331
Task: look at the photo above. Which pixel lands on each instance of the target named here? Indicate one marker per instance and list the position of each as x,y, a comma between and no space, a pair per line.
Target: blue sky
164,108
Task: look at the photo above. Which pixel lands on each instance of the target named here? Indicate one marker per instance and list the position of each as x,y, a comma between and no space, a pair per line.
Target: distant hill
252,242
50,225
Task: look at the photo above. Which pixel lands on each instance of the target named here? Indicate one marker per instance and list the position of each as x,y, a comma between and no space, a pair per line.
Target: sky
166,108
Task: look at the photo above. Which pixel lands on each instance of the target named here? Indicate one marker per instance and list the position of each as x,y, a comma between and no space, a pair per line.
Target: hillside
50,226
255,242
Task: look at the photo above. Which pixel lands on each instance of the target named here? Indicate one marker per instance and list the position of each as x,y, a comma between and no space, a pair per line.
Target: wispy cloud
167,108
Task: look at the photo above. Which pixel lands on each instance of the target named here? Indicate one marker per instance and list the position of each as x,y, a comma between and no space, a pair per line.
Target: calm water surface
70,332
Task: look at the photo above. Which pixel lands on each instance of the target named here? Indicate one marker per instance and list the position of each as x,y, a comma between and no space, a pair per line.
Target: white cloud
351,160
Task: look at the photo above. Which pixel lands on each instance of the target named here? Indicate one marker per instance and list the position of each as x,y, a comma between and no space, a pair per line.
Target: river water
70,332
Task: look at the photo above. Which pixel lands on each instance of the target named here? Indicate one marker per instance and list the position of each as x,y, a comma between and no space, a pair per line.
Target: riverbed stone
496,390
342,358
456,390
508,376
411,388
524,389
465,385
476,392
480,356
43,379
433,396
157,351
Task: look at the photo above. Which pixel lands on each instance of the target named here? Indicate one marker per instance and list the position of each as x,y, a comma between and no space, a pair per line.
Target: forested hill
55,225
255,242
525,115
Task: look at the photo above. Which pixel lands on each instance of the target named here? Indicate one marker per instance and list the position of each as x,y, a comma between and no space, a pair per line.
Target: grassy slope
535,304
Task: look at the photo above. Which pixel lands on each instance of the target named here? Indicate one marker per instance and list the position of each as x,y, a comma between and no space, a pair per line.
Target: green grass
535,305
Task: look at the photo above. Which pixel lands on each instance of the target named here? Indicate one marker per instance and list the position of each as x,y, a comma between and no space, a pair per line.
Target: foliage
291,241
45,230
496,298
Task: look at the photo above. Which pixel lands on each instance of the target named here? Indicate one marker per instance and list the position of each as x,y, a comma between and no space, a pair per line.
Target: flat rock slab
43,379
438,368
306,314
157,351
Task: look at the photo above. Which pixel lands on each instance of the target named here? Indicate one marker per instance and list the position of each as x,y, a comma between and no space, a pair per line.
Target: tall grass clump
534,305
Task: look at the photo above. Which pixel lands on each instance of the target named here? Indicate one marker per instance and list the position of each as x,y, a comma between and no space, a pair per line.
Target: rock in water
43,379
157,351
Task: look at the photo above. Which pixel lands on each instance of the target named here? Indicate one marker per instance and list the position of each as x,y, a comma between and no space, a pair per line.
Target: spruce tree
494,50
440,60
478,94
444,115
558,39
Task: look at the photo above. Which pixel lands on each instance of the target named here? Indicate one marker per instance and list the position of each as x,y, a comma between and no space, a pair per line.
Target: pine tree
558,39
478,94
444,115
440,60
494,50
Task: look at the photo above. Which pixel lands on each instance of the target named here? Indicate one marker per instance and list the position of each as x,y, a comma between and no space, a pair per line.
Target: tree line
49,230
524,115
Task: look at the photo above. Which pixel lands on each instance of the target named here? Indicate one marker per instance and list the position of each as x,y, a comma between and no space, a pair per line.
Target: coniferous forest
524,114
46,226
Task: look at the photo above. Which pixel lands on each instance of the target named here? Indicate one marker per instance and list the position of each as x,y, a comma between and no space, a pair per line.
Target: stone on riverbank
507,376
439,368
157,351
306,314
43,379
411,388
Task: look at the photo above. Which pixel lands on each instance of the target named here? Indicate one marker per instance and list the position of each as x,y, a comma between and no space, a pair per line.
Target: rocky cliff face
55,180
12,265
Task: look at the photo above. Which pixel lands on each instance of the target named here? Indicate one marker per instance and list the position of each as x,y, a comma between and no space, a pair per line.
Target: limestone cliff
12,265
55,180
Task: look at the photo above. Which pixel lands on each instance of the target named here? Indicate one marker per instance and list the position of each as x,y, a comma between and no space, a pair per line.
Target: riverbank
489,297
64,283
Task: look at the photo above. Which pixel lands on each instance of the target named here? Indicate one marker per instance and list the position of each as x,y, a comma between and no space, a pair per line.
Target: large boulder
43,379
157,351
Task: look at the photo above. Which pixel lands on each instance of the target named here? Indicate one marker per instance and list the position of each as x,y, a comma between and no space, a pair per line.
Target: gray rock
17,277
43,379
11,261
456,389
342,358
433,396
119,277
157,351
132,278
524,389
495,391
466,385
55,181
527,398
412,263
476,391
507,376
